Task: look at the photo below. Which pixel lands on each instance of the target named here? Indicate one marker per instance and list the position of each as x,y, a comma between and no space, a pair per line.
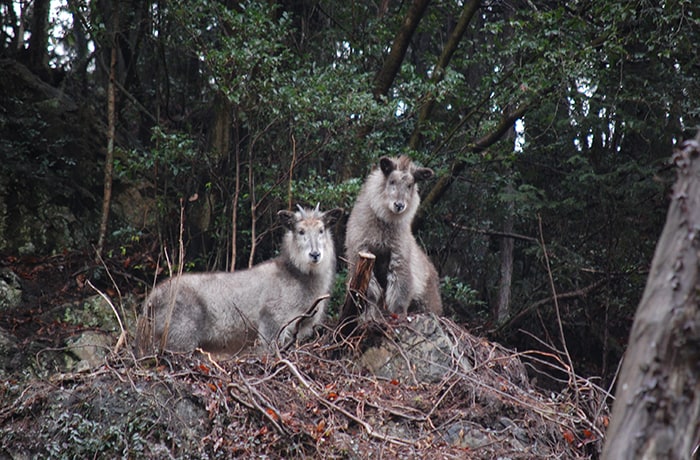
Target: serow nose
399,206
315,256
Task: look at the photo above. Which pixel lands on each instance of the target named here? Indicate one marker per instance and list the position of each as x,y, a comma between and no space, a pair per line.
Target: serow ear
332,216
421,174
287,218
387,165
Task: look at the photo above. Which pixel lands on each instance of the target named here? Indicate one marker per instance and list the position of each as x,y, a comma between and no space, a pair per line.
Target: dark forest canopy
549,125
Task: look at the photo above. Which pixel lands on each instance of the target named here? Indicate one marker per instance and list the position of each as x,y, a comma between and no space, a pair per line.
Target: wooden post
355,302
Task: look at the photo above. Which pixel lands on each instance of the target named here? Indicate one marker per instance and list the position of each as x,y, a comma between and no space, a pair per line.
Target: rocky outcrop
418,350
51,155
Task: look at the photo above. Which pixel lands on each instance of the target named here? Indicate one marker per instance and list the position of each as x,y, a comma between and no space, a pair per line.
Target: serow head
401,176
309,238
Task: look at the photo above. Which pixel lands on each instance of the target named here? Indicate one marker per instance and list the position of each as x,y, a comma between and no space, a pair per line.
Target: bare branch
481,144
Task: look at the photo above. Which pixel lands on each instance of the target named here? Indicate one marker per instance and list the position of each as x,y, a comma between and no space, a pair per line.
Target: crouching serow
275,302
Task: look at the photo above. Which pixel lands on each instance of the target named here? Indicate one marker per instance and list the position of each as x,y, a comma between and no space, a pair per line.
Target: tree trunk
354,304
203,209
506,272
38,58
450,47
392,63
111,131
386,75
656,413
236,193
82,52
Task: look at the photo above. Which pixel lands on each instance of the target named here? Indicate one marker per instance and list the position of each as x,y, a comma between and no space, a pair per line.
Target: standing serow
404,278
275,302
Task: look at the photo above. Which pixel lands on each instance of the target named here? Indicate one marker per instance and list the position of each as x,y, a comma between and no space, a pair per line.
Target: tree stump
355,301
656,413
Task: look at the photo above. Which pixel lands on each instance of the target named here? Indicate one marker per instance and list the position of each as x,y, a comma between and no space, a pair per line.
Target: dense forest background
550,126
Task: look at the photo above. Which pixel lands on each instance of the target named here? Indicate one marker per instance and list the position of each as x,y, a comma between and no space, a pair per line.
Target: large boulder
417,350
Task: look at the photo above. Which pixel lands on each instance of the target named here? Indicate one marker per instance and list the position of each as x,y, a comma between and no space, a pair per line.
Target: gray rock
134,207
92,311
417,350
462,434
10,289
91,348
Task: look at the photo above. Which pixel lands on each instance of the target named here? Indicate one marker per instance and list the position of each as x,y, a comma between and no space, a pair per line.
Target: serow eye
321,231
302,232
392,182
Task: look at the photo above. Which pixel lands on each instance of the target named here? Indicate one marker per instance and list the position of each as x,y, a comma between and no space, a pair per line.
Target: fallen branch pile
313,401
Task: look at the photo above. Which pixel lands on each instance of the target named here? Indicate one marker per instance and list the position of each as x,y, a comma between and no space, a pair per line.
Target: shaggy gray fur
380,222
227,312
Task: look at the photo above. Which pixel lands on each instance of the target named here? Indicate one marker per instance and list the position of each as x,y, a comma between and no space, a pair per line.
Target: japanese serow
404,278
275,302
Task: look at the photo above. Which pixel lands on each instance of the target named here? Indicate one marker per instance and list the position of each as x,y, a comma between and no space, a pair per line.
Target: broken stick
355,301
